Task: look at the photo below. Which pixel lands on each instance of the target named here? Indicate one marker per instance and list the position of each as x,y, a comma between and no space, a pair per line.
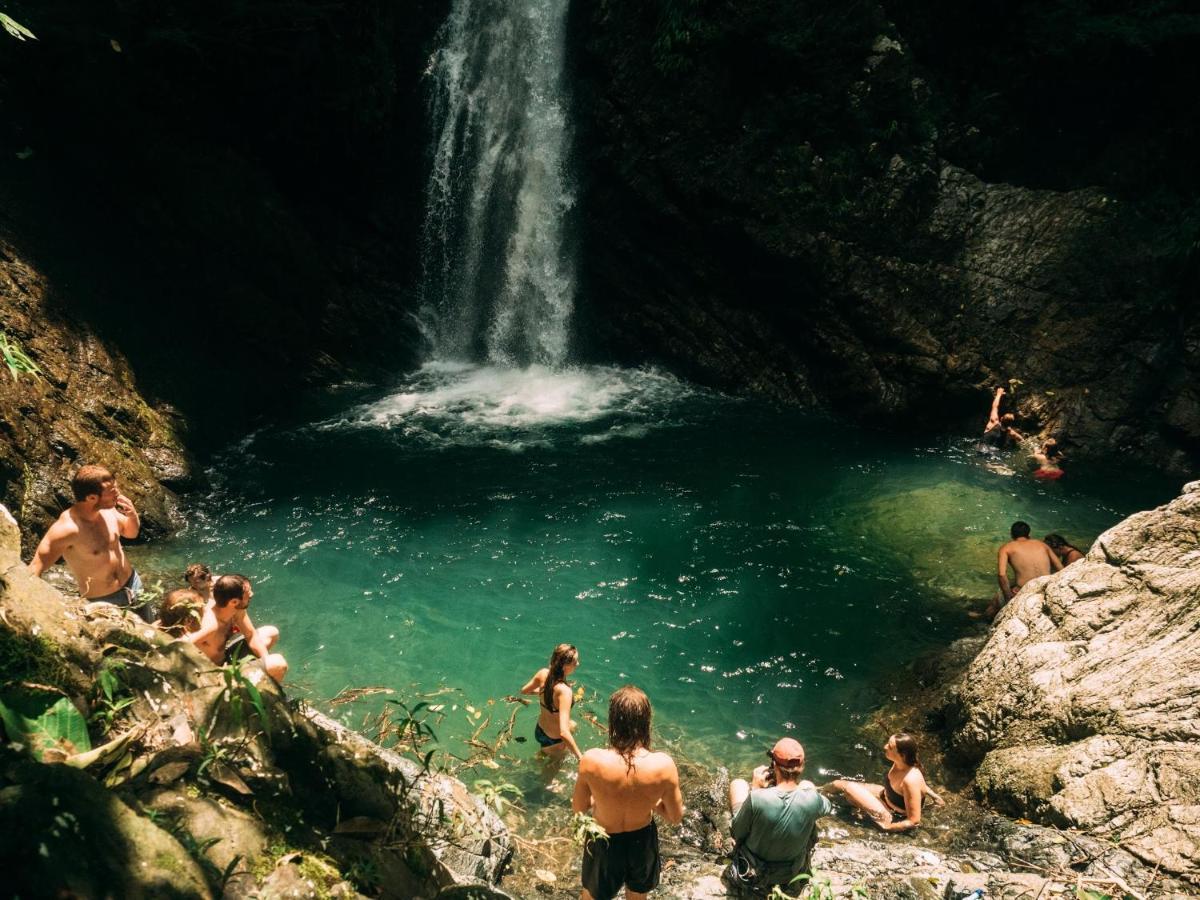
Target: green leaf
15,28
43,719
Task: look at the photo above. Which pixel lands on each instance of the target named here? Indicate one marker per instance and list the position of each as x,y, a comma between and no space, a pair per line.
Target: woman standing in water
554,728
896,804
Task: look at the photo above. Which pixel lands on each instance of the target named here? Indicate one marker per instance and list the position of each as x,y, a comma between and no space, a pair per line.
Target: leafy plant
16,29
15,357
584,829
494,795
112,696
44,720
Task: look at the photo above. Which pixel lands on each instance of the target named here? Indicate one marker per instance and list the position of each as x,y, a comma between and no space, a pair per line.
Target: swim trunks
126,597
1049,474
628,858
544,739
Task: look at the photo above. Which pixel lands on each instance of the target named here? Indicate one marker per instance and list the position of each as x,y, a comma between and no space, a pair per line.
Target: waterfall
498,277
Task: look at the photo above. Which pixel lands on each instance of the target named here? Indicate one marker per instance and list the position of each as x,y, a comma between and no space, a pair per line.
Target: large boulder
1083,708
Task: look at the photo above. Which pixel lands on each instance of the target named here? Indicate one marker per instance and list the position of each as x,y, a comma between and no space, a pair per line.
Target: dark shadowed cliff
886,208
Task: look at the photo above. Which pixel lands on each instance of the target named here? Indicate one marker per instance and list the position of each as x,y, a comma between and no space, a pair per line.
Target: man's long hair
629,715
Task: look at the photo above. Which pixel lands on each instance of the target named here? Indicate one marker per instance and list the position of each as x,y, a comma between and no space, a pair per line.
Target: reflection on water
758,572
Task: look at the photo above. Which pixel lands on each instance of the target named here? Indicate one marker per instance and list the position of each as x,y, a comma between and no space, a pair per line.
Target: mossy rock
65,835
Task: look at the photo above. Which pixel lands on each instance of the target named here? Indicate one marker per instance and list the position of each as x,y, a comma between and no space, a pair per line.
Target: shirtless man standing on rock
224,615
1029,558
88,536
622,786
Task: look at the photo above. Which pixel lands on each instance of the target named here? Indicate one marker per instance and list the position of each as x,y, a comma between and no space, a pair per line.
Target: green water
757,572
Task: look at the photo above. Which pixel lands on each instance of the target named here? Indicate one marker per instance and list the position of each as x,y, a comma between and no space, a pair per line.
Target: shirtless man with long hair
623,785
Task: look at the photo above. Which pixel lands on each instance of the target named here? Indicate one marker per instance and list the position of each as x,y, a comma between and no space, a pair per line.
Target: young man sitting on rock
775,822
88,536
224,616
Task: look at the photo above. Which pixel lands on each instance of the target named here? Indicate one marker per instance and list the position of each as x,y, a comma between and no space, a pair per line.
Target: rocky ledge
1082,710
206,782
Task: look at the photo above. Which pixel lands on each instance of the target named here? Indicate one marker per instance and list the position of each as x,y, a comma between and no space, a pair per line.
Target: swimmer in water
554,731
999,432
1064,549
1049,460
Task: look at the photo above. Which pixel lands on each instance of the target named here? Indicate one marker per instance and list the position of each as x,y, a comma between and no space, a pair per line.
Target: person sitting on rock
88,536
181,612
224,616
999,431
774,822
1029,558
554,731
199,578
1049,460
894,805
1063,549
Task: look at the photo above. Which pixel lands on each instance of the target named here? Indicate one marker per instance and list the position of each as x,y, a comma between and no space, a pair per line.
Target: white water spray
498,277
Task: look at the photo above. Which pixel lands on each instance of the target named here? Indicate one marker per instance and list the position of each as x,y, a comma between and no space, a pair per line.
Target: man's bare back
1029,558
622,796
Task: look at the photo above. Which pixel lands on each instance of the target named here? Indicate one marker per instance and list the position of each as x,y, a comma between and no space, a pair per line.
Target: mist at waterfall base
757,572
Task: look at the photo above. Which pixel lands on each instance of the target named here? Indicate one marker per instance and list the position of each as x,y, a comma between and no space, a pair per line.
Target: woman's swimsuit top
896,800
553,710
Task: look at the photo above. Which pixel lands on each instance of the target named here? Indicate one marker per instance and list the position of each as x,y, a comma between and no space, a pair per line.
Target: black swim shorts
628,858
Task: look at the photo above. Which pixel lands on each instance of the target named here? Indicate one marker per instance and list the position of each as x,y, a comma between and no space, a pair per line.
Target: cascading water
498,277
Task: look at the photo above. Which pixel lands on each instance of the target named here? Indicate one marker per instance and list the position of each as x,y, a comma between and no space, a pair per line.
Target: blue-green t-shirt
776,825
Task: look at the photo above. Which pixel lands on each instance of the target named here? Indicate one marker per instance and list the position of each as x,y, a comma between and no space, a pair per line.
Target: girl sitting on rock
894,805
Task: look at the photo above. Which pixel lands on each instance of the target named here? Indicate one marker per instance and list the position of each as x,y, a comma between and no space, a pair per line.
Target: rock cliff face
778,200
211,207
84,407
1083,708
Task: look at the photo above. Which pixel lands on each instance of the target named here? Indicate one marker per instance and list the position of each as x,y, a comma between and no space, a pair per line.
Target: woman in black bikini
894,805
1063,548
554,728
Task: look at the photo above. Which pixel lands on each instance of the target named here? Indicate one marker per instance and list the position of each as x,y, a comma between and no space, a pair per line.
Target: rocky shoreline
1078,715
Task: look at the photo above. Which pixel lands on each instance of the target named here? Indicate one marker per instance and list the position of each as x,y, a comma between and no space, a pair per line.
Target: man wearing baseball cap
774,821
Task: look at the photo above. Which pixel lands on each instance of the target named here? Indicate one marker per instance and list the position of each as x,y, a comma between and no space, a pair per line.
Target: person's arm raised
129,523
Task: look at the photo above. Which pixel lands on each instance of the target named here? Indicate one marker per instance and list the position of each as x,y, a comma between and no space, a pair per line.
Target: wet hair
1052,449
1057,542
906,746
181,611
1019,530
89,480
563,656
629,715
195,571
1008,419
228,588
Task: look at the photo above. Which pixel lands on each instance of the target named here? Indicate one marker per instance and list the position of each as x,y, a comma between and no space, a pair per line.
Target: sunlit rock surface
1083,709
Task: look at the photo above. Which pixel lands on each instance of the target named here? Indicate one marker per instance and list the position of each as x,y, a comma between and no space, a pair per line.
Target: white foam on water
515,409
